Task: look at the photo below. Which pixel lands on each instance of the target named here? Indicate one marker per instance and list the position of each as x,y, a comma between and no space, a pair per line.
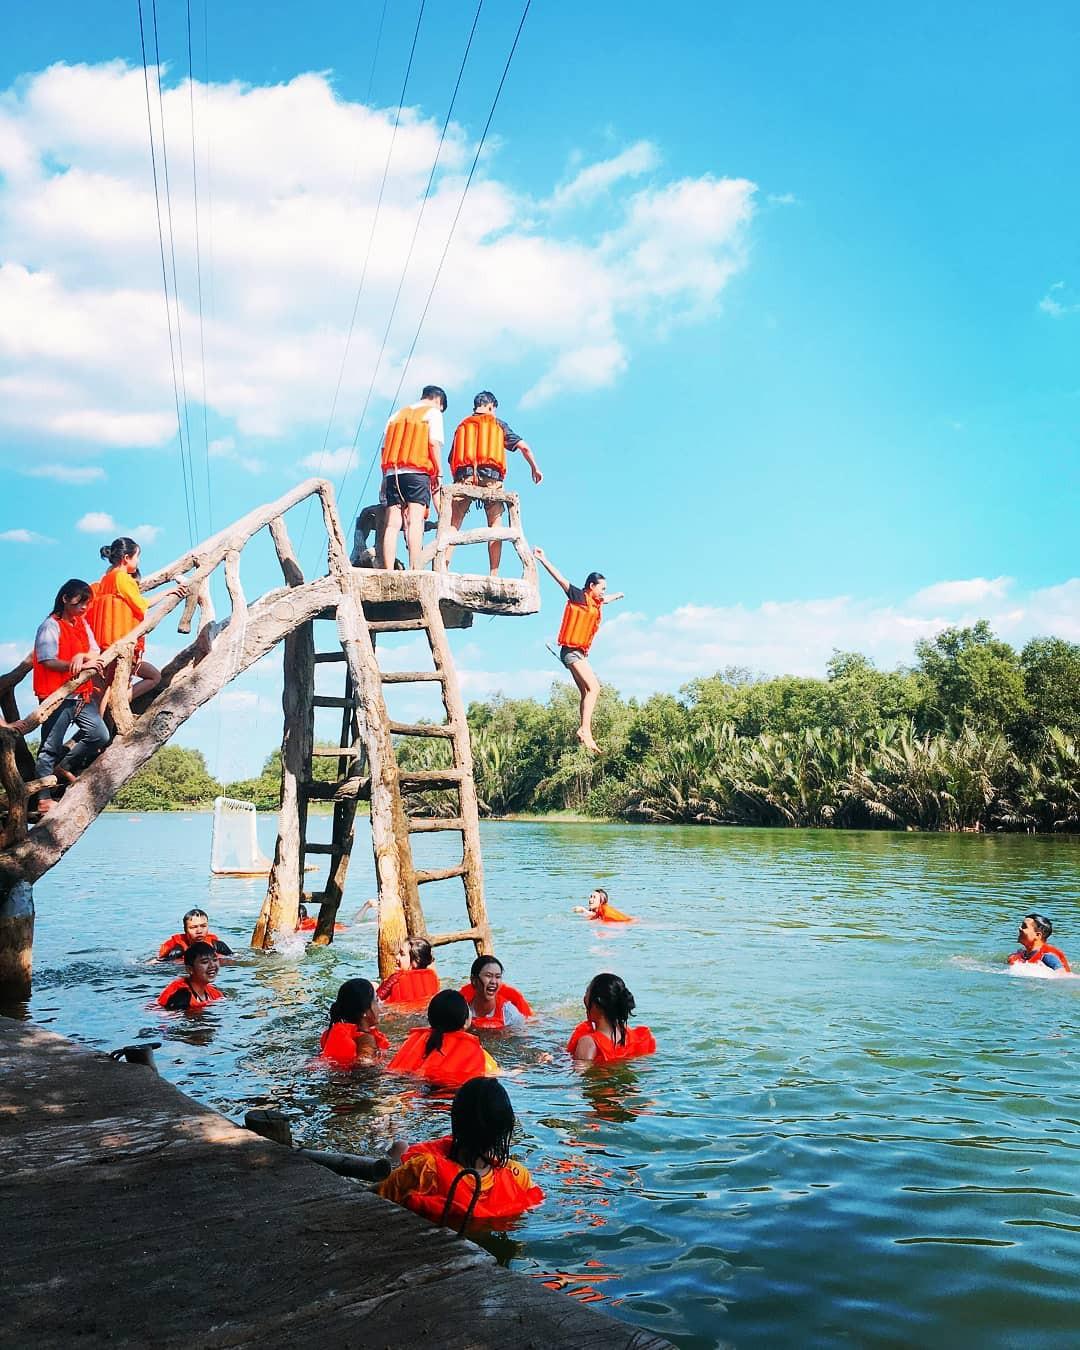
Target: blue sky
787,303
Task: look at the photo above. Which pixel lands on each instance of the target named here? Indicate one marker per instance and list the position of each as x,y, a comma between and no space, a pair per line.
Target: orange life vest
479,443
182,941
609,914
309,925
340,1041
502,1194
74,639
112,615
579,624
182,983
1031,958
407,443
460,1058
504,994
410,986
639,1041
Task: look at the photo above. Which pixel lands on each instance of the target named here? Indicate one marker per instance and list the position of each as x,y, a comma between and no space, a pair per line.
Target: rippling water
858,1127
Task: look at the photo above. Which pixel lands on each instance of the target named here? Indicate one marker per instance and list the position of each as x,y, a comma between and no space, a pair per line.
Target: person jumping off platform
410,465
478,457
580,621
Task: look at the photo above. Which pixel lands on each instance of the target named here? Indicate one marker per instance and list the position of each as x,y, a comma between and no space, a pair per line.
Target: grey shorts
569,655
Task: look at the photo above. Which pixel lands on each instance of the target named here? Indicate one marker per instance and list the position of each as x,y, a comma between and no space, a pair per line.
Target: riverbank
146,1218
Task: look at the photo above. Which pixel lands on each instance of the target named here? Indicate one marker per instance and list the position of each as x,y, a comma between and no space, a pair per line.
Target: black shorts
486,477
411,488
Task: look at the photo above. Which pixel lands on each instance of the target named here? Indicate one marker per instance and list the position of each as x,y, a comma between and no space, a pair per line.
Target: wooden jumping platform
137,1217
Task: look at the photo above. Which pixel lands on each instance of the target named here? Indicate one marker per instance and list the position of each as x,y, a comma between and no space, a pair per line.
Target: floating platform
137,1217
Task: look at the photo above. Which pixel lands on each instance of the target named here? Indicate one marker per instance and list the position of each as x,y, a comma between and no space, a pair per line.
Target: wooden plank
330,850
337,752
422,729
432,777
333,701
396,625
440,873
322,657
411,676
430,824
346,790
463,935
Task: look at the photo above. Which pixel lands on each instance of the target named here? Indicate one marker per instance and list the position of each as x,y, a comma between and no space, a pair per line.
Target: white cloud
67,473
949,594
330,463
590,182
25,537
1057,302
783,199
100,522
225,448
145,534
82,338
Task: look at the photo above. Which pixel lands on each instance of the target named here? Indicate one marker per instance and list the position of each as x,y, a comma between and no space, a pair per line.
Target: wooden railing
447,538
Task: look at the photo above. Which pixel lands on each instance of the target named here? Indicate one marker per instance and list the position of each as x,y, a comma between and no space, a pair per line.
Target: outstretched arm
619,595
542,557
537,476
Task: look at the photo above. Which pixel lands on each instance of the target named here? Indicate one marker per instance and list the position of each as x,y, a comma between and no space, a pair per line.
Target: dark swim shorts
487,477
568,655
402,488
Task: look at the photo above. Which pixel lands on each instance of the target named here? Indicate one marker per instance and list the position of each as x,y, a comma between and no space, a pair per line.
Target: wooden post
282,904
16,941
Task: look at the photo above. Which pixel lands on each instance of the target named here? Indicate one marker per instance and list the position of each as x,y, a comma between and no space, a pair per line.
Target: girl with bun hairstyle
604,1036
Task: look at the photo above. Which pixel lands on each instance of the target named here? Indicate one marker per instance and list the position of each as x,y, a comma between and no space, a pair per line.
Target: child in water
195,989
416,980
1034,949
196,929
492,1003
478,1150
353,1034
604,1035
599,907
444,1052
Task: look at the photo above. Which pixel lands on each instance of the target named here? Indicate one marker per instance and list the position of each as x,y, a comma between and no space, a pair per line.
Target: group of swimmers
445,1053
411,474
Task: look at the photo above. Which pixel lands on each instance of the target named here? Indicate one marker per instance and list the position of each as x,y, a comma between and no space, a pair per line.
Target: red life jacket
417,987
639,1041
75,638
505,993
503,1194
340,1041
460,1058
1031,958
309,925
479,443
182,941
182,983
407,443
609,914
579,624
112,615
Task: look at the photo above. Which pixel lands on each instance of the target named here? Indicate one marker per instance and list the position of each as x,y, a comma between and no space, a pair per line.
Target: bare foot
587,741
45,805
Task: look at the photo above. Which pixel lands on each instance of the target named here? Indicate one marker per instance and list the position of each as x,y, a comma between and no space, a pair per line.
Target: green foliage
171,779
973,677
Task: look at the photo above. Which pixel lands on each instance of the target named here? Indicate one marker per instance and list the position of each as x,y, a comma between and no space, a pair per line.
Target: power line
198,273
450,236
176,289
165,280
412,244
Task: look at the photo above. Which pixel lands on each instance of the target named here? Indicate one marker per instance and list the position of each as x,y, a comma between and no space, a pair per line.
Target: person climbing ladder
580,621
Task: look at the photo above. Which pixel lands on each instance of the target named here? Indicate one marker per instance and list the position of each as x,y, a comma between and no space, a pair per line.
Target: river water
858,1127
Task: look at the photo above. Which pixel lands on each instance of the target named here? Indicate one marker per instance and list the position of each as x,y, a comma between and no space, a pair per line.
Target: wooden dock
136,1217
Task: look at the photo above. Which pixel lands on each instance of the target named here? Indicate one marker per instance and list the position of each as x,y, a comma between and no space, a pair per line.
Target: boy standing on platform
410,464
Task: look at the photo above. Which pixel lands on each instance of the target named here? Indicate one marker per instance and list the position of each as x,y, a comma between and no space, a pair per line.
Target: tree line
975,735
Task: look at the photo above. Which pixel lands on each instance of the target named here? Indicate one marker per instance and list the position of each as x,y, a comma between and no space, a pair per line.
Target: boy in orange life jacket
195,989
196,929
481,1126
580,621
410,465
64,646
478,457
1034,948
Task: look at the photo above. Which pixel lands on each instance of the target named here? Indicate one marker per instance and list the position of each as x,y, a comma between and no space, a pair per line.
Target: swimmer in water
196,929
604,1035
195,989
1034,949
353,1034
491,1002
416,980
599,907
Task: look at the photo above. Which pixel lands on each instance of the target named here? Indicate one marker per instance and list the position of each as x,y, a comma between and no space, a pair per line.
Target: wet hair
447,1011
592,579
1042,923
433,391
118,550
599,890
420,953
354,999
613,999
481,1123
195,914
482,961
485,396
73,590
196,950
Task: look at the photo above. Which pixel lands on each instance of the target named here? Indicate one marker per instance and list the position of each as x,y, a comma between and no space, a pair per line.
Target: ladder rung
334,850
421,729
320,657
464,935
337,751
410,676
449,777
427,824
312,897
36,785
440,873
347,790
331,701
396,625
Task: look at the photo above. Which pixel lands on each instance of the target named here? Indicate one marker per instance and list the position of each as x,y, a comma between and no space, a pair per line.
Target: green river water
858,1128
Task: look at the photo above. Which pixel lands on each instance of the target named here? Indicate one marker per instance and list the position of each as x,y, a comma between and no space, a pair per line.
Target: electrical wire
165,281
449,238
198,275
